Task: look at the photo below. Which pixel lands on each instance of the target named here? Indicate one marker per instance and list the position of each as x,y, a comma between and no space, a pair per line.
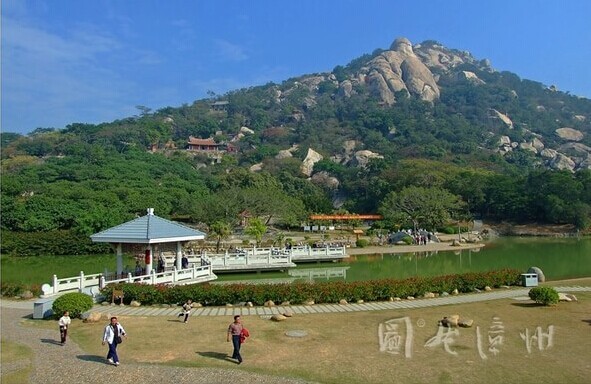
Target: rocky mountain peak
403,45
399,69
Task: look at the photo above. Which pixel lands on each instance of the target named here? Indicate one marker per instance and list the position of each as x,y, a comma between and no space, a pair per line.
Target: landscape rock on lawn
566,297
93,317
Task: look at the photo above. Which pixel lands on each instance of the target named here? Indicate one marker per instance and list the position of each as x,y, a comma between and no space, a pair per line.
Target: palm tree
279,237
257,229
220,230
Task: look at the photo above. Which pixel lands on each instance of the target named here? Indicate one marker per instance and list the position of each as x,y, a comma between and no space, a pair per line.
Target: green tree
256,228
220,230
423,207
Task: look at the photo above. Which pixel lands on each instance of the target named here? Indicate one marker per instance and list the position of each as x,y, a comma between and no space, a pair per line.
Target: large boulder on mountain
586,164
312,157
494,114
575,147
362,158
399,69
549,153
324,179
256,167
283,154
562,162
528,147
569,134
435,55
349,146
346,88
470,77
537,144
246,131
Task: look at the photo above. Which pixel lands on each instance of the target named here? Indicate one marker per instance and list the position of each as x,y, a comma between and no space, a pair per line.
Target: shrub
362,243
75,303
320,292
12,289
544,295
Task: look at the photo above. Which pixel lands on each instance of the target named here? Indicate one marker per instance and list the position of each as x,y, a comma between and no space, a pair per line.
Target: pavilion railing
80,283
173,276
94,283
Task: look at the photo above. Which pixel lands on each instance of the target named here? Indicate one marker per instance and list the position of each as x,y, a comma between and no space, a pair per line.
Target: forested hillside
393,132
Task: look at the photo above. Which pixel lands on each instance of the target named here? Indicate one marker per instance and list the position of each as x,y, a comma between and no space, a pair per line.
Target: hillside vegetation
419,124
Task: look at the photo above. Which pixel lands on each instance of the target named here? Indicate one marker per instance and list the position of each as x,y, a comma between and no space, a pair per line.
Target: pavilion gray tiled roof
148,229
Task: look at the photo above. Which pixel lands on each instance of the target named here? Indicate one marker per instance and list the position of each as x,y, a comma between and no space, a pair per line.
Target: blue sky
93,61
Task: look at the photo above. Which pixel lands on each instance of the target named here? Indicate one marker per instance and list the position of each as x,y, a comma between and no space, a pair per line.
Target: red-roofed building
203,145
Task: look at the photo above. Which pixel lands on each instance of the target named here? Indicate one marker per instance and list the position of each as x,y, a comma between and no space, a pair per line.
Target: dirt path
53,363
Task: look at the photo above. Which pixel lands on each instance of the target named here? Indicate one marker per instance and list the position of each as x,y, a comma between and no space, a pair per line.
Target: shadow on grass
92,358
527,305
215,355
587,321
51,341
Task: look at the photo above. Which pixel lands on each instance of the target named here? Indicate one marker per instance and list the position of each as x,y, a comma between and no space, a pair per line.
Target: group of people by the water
419,236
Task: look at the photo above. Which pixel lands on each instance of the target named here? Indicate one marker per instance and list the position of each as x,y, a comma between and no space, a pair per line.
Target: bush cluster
320,292
17,289
544,295
74,302
11,289
361,243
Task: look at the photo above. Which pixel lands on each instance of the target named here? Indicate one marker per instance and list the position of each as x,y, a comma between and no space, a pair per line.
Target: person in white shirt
64,323
186,310
112,336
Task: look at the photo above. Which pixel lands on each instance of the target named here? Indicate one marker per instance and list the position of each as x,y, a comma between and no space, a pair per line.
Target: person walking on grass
186,310
112,336
64,323
238,334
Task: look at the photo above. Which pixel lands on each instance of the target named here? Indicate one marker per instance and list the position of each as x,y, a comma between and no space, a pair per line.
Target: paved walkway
127,310
329,308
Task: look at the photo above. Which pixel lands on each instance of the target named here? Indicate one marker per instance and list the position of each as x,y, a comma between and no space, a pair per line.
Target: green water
557,257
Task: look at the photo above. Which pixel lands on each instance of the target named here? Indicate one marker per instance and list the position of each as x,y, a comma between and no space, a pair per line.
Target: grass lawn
16,362
511,341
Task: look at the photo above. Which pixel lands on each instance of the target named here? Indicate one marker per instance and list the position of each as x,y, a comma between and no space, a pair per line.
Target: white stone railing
83,283
173,276
71,283
310,252
246,259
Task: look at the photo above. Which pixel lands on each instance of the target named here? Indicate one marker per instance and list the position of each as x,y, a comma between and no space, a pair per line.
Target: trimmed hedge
544,295
320,292
76,303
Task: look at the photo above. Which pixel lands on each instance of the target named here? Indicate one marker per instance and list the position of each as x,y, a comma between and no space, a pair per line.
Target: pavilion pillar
119,260
150,251
179,255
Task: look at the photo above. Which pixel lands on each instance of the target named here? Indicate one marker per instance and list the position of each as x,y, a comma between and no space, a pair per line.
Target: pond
559,258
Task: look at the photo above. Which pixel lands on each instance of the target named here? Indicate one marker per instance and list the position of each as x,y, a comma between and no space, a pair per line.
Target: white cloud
229,51
51,79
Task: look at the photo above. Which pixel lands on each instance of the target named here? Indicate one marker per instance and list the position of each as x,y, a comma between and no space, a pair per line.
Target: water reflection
558,258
